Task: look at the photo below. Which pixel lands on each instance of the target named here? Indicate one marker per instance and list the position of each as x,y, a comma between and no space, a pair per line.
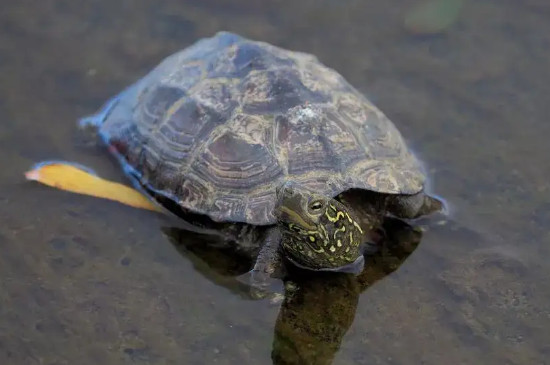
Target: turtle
267,147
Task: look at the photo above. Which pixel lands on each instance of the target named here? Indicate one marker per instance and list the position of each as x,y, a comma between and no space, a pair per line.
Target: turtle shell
218,126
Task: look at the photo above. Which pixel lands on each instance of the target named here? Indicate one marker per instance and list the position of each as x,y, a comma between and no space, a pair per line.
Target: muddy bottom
89,281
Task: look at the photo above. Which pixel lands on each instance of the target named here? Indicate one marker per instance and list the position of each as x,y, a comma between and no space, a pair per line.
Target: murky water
88,281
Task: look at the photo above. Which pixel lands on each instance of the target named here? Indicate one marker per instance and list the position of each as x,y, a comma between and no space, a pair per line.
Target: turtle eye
316,207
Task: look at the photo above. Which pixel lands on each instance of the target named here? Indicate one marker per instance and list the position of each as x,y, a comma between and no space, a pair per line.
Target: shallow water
88,281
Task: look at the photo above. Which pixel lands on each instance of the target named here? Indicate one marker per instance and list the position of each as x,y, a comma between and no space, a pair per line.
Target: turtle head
318,232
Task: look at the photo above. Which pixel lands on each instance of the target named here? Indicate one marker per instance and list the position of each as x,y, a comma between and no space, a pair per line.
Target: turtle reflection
318,308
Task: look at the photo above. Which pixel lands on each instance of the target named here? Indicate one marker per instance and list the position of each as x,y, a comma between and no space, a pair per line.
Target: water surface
88,281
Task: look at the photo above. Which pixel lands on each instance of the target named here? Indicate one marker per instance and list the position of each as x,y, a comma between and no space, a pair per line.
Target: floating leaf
78,179
432,16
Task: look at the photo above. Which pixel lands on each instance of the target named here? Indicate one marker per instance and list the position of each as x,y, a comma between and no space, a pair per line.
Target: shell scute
234,205
156,103
234,163
217,95
238,60
275,91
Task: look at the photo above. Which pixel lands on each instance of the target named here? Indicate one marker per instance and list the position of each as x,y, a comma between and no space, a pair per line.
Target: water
88,281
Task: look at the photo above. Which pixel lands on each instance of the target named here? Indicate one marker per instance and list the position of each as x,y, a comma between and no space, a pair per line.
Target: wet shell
218,126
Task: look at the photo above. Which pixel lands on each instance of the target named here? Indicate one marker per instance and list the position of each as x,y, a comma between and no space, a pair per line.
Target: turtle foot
262,285
97,119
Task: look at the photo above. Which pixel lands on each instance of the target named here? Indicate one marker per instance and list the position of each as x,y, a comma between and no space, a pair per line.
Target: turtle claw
86,135
262,286
89,121
88,126
97,119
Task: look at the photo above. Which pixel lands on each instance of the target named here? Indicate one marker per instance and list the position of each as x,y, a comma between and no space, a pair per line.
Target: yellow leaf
66,176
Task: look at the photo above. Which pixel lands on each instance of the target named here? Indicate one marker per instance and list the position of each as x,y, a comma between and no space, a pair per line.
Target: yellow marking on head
339,243
336,218
357,226
297,218
343,229
354,223
312,238
332,249
347,249
324,233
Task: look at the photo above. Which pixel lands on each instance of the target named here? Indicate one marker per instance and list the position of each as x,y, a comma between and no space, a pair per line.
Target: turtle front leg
264,278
